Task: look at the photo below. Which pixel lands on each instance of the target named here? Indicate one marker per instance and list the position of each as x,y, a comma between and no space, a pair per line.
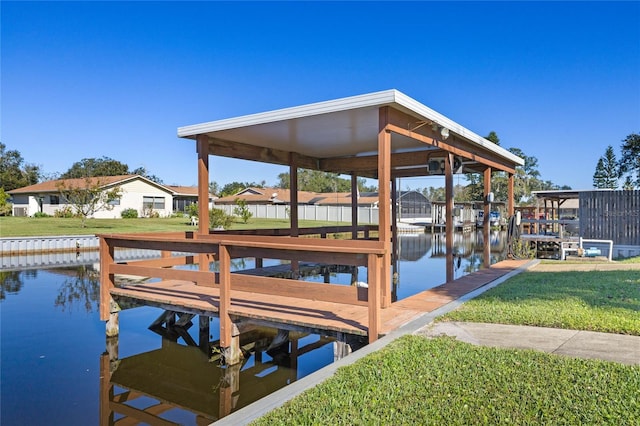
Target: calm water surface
55,369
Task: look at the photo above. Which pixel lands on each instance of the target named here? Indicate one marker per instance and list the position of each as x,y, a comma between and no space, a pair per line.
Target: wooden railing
548,226
224,247
321,231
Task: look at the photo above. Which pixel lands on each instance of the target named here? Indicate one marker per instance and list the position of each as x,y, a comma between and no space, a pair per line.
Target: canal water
56,366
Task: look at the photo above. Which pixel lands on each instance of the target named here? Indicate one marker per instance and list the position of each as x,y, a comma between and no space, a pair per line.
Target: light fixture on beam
444,132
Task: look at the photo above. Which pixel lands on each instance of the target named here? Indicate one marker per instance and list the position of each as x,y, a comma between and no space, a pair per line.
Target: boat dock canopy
341,136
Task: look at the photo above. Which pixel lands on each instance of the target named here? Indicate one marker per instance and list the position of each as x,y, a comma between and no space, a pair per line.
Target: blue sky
561,81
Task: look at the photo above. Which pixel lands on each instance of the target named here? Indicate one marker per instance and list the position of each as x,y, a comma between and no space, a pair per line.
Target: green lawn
44,226
416,380
606,301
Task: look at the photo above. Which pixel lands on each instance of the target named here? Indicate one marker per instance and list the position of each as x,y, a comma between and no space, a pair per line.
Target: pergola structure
383,135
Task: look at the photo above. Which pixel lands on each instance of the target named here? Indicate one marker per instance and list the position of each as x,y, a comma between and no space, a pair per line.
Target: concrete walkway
583,344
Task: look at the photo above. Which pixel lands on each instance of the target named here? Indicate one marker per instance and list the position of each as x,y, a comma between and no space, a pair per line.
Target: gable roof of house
185,191
105,182
253,195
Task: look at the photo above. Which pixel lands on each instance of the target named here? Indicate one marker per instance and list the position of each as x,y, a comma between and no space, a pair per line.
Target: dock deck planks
337,317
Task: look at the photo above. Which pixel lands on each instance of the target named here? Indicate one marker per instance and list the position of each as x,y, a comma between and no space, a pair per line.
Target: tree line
609,173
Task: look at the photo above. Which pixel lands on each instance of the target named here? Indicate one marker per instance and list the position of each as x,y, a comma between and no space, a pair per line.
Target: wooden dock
322,317
268,296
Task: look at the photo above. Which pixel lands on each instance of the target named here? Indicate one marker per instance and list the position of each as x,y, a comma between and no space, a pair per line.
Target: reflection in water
10,282
422,257
52,341
82,286
176,381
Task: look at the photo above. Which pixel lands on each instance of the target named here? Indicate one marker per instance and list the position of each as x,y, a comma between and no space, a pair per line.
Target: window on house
54,200
155,203
115,202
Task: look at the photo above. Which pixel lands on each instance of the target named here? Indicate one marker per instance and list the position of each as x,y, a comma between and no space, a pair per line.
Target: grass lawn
416,380
45,226
606,301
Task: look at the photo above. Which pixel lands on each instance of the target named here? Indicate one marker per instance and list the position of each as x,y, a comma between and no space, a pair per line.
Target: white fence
366,215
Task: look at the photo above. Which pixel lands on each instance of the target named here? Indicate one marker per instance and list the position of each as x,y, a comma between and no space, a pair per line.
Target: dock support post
341,347
203,337
108,308
232,354
375,279
229,389
113,325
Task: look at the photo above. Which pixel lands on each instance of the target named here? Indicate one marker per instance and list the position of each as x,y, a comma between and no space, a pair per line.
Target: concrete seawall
54,244
19,253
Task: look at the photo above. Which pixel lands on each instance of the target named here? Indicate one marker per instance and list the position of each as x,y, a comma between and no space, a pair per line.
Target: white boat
494,218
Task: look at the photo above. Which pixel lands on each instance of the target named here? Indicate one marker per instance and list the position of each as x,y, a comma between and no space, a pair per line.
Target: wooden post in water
203,334
108,308
230,385
374,275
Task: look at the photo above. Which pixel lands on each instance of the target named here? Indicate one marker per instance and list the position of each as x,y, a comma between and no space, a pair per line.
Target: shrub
65,212
129,213
192,210
41,214
5,206
218,218
242,210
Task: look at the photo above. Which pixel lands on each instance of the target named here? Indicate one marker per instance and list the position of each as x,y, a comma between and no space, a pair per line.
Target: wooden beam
369,163
330,258
187,246
245,151
303,244
163,262
350,295
199,277
459,147
384,201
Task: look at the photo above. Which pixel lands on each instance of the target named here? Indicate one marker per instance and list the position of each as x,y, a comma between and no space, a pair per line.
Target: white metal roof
335,128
